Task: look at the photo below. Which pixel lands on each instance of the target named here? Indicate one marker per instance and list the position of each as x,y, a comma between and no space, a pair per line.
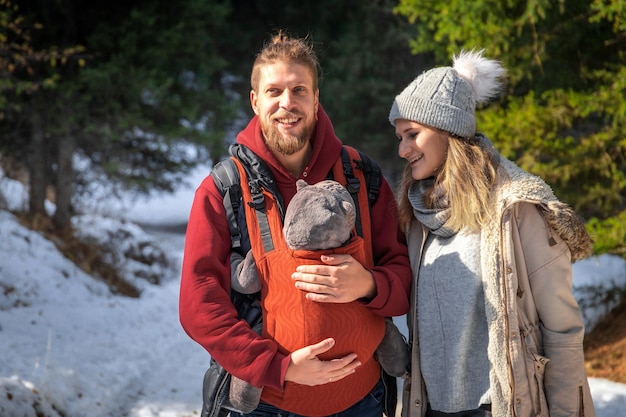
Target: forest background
140,92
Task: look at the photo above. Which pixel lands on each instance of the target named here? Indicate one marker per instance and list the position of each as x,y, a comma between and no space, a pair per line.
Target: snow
71,348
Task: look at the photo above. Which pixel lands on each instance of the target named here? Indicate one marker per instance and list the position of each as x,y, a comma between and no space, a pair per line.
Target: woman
494,326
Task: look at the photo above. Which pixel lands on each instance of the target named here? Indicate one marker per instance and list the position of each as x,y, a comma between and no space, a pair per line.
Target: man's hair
282,48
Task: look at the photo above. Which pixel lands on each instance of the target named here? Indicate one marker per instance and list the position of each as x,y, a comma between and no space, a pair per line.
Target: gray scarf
433,218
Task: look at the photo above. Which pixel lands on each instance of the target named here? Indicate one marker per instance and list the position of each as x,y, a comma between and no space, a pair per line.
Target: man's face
286,104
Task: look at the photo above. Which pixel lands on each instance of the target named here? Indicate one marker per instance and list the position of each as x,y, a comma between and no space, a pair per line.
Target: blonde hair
282,48
466,178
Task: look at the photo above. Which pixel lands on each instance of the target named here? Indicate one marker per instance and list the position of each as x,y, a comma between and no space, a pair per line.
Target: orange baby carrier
288,317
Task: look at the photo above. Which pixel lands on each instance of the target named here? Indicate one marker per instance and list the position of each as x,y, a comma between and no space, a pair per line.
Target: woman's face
422,146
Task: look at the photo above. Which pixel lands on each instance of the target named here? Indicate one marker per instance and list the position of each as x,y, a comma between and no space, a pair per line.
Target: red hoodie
206,312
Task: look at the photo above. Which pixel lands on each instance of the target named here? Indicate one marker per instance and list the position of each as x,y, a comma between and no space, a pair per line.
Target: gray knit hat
446,97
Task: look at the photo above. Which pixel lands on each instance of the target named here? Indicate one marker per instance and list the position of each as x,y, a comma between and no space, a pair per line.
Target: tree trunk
37,164
65,180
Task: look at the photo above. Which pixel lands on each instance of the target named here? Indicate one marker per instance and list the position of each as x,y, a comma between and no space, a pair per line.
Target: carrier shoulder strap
356,167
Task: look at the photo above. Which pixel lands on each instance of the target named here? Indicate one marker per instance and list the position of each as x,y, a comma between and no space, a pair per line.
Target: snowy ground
68,348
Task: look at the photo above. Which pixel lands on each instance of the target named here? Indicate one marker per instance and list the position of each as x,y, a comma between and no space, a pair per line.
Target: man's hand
306,369
341,279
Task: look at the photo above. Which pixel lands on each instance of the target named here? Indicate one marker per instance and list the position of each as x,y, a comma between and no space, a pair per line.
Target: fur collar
522,186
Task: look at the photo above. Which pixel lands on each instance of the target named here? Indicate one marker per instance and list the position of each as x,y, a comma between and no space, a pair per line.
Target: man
294,137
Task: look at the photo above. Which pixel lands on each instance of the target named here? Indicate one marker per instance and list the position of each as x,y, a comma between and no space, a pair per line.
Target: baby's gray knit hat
446,97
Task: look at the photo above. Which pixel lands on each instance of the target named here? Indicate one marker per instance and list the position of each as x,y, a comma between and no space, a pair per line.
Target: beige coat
535,326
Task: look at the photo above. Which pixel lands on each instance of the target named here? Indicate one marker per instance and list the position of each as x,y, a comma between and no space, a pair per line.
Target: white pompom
481,73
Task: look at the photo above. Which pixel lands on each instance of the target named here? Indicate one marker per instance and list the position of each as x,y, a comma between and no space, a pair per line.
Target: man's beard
285,145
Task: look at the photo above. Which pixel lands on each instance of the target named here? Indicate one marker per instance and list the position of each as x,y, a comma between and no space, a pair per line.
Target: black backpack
216,382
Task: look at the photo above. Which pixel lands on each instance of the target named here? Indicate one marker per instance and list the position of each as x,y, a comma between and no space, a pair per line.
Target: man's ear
254,102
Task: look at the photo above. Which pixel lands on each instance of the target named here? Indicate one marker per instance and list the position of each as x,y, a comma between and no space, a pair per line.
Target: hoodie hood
326,150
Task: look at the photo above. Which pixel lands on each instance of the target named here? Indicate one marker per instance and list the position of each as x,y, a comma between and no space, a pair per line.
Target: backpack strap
373,176
226,177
